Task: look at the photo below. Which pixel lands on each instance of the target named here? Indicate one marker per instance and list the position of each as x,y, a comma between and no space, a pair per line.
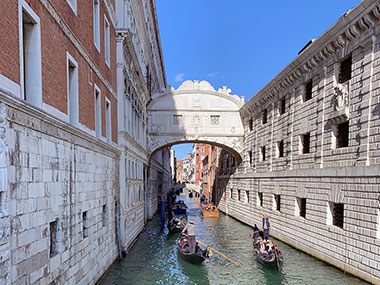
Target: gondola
179,207
177,224
198,257
273,260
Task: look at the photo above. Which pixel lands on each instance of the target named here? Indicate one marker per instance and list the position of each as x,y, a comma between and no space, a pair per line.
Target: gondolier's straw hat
192,222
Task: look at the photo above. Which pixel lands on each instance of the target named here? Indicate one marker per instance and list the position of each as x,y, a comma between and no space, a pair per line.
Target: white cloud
212,74
179,77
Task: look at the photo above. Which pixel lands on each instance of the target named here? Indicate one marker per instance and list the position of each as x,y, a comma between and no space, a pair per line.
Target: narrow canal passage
153,258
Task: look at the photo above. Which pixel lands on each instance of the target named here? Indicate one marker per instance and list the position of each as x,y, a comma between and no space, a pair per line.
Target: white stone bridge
196,113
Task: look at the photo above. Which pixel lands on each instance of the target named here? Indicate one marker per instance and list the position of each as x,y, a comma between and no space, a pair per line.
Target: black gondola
272,258
177,224
197,257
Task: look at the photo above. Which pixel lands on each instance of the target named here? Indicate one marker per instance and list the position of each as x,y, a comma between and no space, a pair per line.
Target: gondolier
189,230
266,226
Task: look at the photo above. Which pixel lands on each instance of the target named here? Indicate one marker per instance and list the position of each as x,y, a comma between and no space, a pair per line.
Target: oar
226,257
237,237
240,236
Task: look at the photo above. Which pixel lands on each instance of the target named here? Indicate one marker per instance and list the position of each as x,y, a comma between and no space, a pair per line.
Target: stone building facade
140,73
76,184
312,149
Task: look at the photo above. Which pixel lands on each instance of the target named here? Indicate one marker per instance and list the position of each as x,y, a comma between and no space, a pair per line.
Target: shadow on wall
227,166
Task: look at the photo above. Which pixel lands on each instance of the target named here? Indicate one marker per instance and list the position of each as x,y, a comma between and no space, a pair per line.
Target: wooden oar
240,236
237,237
226,257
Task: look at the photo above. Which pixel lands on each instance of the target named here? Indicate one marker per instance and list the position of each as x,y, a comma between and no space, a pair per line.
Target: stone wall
56,174
330,172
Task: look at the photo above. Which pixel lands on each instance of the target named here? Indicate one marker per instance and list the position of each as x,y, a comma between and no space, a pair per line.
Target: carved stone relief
340,100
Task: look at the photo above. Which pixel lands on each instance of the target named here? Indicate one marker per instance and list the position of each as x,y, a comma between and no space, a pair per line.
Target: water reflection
196,274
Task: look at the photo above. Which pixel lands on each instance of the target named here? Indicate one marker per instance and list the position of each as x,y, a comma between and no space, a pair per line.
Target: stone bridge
196,113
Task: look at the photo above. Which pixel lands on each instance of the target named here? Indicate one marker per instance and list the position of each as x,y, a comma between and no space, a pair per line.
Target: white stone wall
140,72
55,174
346,175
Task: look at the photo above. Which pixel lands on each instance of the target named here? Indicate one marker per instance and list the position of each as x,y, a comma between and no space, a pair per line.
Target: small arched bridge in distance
196,113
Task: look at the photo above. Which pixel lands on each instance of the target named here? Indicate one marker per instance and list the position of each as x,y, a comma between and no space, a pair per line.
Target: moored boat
268,254
209,210
197,257
179,207
177,224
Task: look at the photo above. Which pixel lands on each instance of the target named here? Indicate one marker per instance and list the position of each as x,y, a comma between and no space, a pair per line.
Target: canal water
153,259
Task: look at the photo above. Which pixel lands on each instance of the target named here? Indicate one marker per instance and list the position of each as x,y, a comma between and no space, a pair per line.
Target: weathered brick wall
56,172
9,47
328,174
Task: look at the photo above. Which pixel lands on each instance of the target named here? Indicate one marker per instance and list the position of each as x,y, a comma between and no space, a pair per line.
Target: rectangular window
250,154
280,148
177,119
337,211
305,140
282,106
250,125
31,56
214,120
73,5
301,207
108,121
54,238
85,224
247,197
238,195
342,135
98,112
96,16
308,90
345,70
231,193
259,199
72,90
107,47
104,215
277,202
265,116
263,157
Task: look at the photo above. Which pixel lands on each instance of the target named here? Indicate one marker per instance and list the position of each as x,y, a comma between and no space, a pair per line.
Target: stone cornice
350,26
132,141
45,117
153,7
111,12
78,45
357,171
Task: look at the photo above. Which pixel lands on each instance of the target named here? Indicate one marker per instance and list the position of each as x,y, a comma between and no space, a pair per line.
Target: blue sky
241,44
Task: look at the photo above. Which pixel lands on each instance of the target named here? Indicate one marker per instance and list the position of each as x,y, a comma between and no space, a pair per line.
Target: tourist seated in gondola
183,242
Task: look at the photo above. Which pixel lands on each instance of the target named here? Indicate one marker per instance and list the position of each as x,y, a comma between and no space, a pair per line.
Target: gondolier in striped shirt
189,230
266,226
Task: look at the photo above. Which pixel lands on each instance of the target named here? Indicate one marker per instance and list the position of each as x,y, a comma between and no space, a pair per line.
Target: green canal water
153,259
